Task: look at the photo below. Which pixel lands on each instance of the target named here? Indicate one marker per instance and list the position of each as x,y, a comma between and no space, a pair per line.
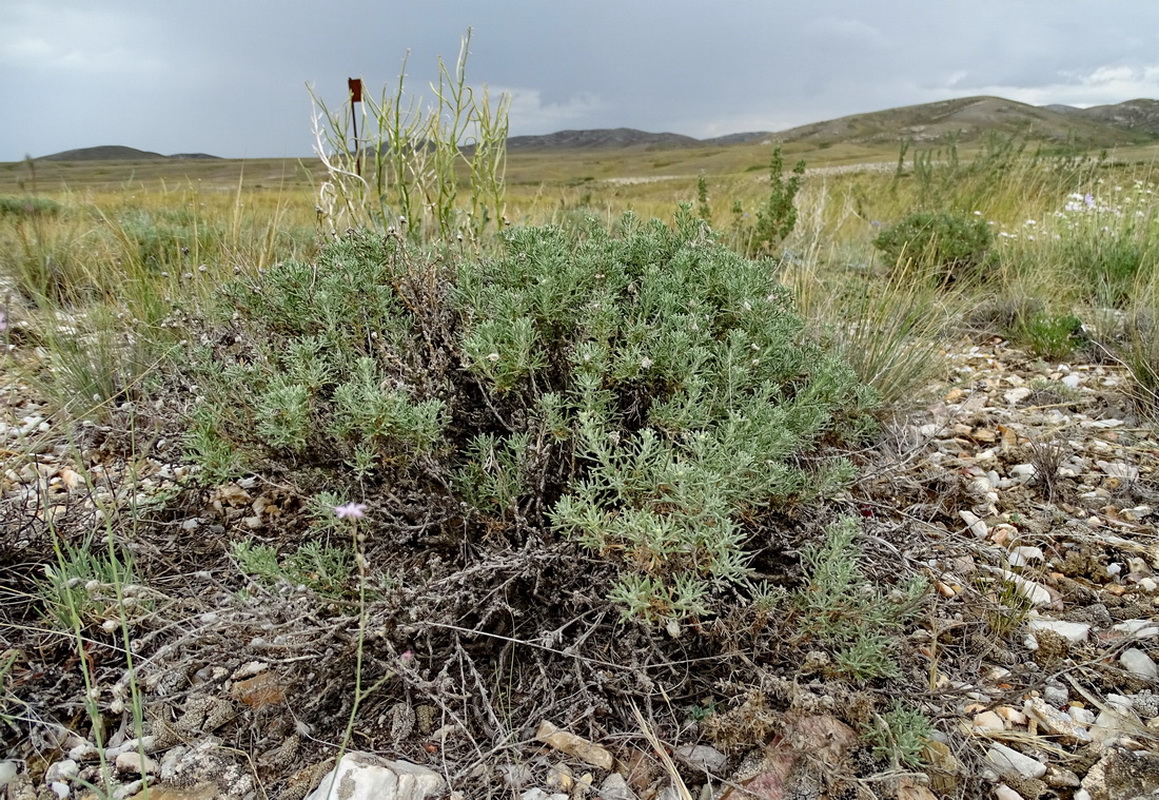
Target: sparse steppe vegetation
606,463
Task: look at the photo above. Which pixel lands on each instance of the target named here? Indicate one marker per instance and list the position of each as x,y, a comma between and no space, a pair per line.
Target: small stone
702,757
1137,628
988,721
909,788
1022,556
615,787
1014,764
576,746
1056,695
1073,632
977,527
1139,664
135,764
560,778
1011,715
1036,593
1116,723
1015,396
128,790
1061,778
1022,473
1004,792
539,794
8,771
1083,716
1135,514
363,776
1056,722
62,771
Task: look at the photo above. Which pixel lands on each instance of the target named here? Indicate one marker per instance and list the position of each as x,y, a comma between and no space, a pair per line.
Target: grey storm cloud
230,78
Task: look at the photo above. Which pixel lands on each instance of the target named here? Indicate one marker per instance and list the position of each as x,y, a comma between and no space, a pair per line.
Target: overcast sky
229,77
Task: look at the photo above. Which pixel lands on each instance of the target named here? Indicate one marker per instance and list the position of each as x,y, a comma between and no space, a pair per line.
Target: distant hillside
1137,115
741,138
113,152
969,118
618,138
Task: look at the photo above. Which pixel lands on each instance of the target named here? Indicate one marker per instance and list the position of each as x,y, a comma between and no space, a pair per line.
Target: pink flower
351,510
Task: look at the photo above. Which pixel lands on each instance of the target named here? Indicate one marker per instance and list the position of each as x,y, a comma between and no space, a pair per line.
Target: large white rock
364,776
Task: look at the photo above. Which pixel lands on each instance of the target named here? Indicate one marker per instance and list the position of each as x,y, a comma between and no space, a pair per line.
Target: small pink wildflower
351,510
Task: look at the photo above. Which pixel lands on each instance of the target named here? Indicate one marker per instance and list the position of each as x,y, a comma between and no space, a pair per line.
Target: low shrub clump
28,207
647,392
952,246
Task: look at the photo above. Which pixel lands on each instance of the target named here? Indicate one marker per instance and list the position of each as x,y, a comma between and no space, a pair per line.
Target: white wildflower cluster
1135,201
1088,212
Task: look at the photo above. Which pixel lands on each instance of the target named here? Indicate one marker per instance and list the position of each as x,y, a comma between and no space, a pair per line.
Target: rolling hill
966,119
971,118
606,138
113,152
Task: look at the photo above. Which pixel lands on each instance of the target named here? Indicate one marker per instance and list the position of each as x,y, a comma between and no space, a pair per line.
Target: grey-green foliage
942,179
776,217
314,372
846,612
950,245
326,570
690,388
28,206
646,391
901,735
173,239
81,588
